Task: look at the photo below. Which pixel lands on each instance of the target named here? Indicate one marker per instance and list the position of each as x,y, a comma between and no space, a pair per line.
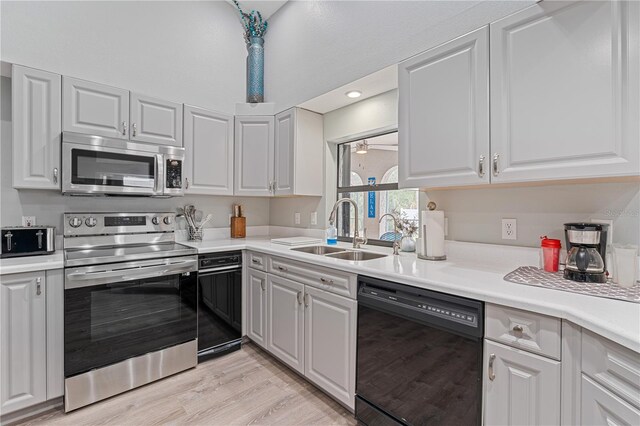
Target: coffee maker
587,245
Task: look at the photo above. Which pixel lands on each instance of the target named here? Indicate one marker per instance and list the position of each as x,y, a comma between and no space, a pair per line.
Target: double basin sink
340,253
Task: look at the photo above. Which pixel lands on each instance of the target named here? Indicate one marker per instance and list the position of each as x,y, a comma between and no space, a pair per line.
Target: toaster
28,241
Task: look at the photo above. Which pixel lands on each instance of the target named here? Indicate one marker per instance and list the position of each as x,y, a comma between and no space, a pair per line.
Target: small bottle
332,235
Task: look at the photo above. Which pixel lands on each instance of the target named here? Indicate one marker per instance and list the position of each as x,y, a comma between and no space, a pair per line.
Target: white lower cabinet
285,321
23,341
602,407
521,388
330,343
257,307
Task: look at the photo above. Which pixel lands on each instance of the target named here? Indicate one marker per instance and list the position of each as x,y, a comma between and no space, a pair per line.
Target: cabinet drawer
257,261
612,365
331,280
601,407
525,330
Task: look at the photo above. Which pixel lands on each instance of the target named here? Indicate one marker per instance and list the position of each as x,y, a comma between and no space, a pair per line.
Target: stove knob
167,220
155,220
91,222
75,222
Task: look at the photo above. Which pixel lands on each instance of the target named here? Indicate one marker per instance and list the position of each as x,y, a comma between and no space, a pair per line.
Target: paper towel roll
433,232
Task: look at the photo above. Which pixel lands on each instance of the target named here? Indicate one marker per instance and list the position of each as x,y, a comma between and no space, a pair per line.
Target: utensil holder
195,234
238,227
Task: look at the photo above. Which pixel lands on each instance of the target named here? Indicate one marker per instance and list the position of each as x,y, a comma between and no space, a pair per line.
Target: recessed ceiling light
353,94
362,147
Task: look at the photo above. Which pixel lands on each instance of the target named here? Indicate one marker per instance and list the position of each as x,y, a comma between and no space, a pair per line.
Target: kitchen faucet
357,240
396,231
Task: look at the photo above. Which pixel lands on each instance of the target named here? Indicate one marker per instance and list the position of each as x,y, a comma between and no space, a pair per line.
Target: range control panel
76,224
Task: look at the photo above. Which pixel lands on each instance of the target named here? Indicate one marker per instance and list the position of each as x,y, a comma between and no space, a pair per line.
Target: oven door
122,310
103,169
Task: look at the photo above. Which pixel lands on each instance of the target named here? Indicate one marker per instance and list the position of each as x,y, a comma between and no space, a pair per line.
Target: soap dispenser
332,234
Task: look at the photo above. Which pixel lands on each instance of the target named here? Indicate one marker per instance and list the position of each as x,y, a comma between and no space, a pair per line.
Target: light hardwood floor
247,387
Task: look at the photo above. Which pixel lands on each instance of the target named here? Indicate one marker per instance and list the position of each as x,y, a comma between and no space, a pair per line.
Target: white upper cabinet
94,109
208,143
298,163
254,155
23,341
155,120
565,91
36,121
443,114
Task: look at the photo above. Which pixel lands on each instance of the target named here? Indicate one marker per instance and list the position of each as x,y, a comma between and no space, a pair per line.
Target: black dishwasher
219,304
419,356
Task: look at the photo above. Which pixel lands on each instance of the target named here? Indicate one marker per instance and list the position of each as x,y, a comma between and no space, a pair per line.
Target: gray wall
313,47
48,206
184,51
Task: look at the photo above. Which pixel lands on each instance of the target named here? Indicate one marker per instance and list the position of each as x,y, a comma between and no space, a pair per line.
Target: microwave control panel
174,174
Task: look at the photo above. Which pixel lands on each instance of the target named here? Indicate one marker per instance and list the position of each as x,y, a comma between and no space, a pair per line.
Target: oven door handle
87,279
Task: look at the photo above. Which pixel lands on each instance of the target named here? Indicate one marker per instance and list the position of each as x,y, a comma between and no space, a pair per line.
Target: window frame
344,191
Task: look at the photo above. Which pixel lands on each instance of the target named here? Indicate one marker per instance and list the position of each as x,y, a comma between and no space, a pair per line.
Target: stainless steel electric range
130,303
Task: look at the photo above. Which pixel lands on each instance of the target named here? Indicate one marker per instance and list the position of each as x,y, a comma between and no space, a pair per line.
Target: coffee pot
587,244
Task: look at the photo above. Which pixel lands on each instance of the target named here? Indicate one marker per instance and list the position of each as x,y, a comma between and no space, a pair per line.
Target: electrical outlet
314,218
296,218
509,229
28,221
609,231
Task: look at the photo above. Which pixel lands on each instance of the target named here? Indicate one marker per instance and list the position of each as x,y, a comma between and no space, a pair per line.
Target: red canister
550,253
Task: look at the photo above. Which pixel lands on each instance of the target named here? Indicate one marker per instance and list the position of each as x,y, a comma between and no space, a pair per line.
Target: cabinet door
94,109
565,89
602,407
525,389
208,143
285,321
257,307
285,140
23,341
55,333
155,120
254,156
330,343
443,114
36,128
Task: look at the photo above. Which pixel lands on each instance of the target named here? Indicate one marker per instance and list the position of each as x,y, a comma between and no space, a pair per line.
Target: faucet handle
363,239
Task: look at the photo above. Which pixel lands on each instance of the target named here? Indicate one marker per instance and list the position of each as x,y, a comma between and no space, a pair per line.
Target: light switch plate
28,221
314,218
509,229
296,218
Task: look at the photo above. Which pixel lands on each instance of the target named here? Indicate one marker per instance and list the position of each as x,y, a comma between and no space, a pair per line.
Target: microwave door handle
159,185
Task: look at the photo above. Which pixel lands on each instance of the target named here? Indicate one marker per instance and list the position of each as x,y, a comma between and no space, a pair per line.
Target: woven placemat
530,275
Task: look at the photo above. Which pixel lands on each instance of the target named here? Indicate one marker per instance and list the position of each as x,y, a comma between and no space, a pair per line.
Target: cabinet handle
124,128
326,281
518,329
134,129
299,296
262,285
282,268
38,286
256,261
496,157
481,166
186,183
55,175
492,374
306,300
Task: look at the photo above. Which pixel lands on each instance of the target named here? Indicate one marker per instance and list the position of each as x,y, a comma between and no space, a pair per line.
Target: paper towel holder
431,206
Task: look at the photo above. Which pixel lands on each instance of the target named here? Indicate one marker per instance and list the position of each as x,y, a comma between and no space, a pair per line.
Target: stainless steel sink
319,250
356,256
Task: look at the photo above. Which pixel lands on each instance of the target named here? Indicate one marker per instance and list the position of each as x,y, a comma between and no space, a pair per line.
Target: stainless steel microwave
94,165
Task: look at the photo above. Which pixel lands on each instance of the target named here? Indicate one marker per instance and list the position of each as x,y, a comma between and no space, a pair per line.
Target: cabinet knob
492,374
38,286
481,166
326,281
134,129
124,128
496,158
306,300
186,183
282,268
262,285
55,175
518,329
299,296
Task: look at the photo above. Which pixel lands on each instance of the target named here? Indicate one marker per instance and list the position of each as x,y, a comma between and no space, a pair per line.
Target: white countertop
16,265
475,271
471,270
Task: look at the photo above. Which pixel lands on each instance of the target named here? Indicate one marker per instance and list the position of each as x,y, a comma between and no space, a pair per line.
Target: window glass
371,166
